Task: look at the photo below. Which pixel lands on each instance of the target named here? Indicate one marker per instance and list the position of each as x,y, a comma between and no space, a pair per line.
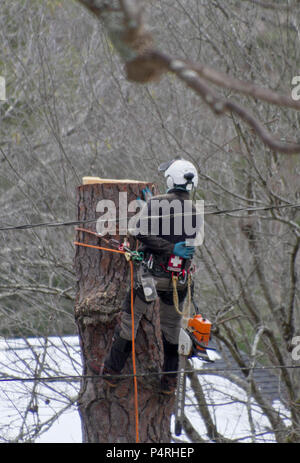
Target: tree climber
167,243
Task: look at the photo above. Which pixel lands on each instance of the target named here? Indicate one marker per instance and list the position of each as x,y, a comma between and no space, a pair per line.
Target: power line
76,378
46,225
80,222
188,403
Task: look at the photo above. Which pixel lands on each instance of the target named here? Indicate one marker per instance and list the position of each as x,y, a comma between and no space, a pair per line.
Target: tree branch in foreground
123,20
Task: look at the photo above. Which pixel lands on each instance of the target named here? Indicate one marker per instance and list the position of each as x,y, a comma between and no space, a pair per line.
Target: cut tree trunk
103,278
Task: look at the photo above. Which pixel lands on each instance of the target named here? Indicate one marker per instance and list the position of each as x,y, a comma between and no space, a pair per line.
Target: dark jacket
169,219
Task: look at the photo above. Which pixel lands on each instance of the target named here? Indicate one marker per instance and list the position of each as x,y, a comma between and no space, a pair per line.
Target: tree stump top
93,180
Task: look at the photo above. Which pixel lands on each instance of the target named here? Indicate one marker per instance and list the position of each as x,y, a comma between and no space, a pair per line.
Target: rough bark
108,415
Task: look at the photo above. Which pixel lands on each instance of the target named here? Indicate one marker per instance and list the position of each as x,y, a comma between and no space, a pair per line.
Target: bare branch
144,64
293,275
274,6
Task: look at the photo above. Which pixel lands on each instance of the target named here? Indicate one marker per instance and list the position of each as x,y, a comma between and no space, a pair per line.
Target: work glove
186,252
146,193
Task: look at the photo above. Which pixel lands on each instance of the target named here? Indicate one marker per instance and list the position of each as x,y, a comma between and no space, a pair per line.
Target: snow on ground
46,412
39,411
230,409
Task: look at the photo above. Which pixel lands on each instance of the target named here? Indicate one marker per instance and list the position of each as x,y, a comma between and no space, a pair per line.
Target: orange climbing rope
136,408
98,247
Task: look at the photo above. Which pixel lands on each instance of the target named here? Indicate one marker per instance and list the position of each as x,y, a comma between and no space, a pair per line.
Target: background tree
71,110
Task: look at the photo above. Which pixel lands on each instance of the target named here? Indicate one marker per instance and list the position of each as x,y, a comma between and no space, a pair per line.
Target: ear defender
189,180
170,182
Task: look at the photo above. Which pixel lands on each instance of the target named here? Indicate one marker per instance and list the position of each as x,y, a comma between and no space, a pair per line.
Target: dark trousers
170,321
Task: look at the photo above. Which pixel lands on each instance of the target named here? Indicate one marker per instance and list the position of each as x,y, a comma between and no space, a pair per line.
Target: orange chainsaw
193,342
199,329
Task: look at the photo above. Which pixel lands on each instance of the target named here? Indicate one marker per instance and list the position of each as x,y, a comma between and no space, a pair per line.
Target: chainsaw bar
188,346
180,395
184,349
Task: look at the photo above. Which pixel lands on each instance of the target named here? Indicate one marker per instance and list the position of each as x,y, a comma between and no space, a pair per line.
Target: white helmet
180,173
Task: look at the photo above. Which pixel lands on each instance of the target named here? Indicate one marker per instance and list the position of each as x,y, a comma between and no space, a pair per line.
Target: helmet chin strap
181,188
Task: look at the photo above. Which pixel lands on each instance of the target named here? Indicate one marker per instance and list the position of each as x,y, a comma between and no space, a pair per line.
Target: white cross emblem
176,261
